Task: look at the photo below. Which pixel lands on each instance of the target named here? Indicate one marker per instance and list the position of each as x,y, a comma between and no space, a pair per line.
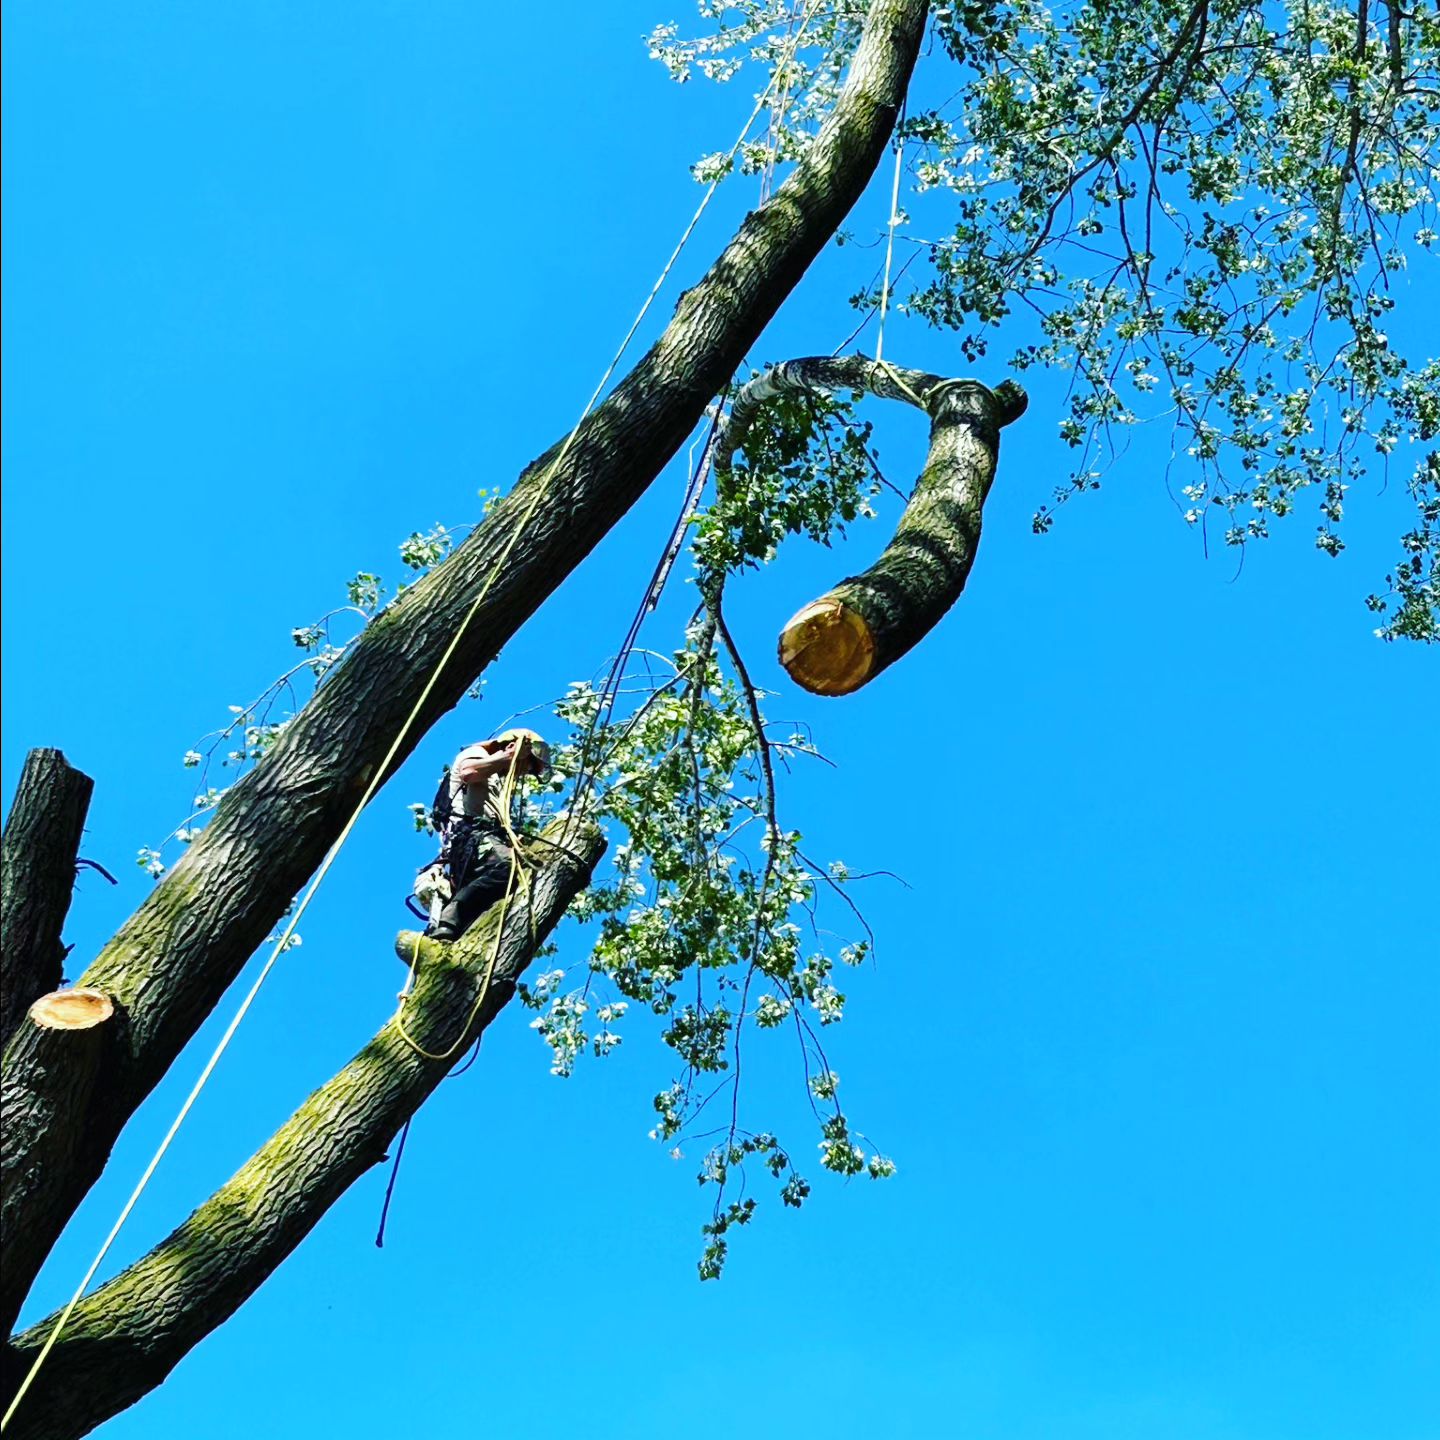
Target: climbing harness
518,879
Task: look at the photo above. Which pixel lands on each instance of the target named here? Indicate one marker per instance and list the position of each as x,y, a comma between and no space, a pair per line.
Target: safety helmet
539,750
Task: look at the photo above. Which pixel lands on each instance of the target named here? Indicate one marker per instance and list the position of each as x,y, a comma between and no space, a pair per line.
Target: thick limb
850,634
121,1341
37,877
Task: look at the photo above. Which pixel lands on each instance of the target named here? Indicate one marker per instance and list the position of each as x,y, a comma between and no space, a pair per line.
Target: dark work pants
487,880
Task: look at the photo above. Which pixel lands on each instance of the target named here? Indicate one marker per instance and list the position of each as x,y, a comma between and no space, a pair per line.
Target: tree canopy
1199,212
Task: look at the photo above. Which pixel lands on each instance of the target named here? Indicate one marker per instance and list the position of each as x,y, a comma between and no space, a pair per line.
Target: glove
432,885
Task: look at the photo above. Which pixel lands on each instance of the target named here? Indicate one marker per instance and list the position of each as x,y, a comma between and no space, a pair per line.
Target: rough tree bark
37,876
126,1337
843,640
57,1067
170,963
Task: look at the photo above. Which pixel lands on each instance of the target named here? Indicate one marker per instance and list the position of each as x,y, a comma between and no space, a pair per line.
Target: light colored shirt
481,799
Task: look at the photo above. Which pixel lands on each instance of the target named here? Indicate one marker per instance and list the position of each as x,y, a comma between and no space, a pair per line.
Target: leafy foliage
805,49
253,730
1200,209
807,471
707,919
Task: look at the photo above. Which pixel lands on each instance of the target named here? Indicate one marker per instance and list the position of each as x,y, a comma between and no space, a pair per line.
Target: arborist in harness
475,812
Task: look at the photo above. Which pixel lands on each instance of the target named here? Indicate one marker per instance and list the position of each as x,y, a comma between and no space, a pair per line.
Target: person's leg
486,883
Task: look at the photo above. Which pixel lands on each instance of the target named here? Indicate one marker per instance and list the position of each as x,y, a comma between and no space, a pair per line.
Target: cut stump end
827,648
414,949
75,1009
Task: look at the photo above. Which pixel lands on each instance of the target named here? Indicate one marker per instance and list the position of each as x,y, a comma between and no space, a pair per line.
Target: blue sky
1150,1030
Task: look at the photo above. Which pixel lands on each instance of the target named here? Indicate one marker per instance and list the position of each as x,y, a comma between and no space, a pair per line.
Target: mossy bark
893,605
170,963
845,638
125,1338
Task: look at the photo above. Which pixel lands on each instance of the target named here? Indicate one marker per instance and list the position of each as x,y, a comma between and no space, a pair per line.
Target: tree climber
475,812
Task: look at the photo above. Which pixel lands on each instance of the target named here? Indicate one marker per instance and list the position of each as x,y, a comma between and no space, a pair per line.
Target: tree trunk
170,963
124,1339
37,878
59,1060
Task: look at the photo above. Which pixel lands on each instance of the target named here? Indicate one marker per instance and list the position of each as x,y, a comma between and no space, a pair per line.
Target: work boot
450,924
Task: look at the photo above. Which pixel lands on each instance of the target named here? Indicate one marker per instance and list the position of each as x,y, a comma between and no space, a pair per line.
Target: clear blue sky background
1151,1033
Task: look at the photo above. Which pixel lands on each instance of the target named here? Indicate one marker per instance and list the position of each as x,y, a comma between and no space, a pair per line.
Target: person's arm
475,765
480,762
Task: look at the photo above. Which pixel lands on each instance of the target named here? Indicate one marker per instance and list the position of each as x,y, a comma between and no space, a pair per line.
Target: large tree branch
849,635
169,964
37,878
61,1052
124,1339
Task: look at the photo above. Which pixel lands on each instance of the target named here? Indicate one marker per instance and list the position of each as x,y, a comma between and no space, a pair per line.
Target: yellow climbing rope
518,873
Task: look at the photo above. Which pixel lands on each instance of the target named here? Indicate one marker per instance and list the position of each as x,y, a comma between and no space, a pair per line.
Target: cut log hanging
842,640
